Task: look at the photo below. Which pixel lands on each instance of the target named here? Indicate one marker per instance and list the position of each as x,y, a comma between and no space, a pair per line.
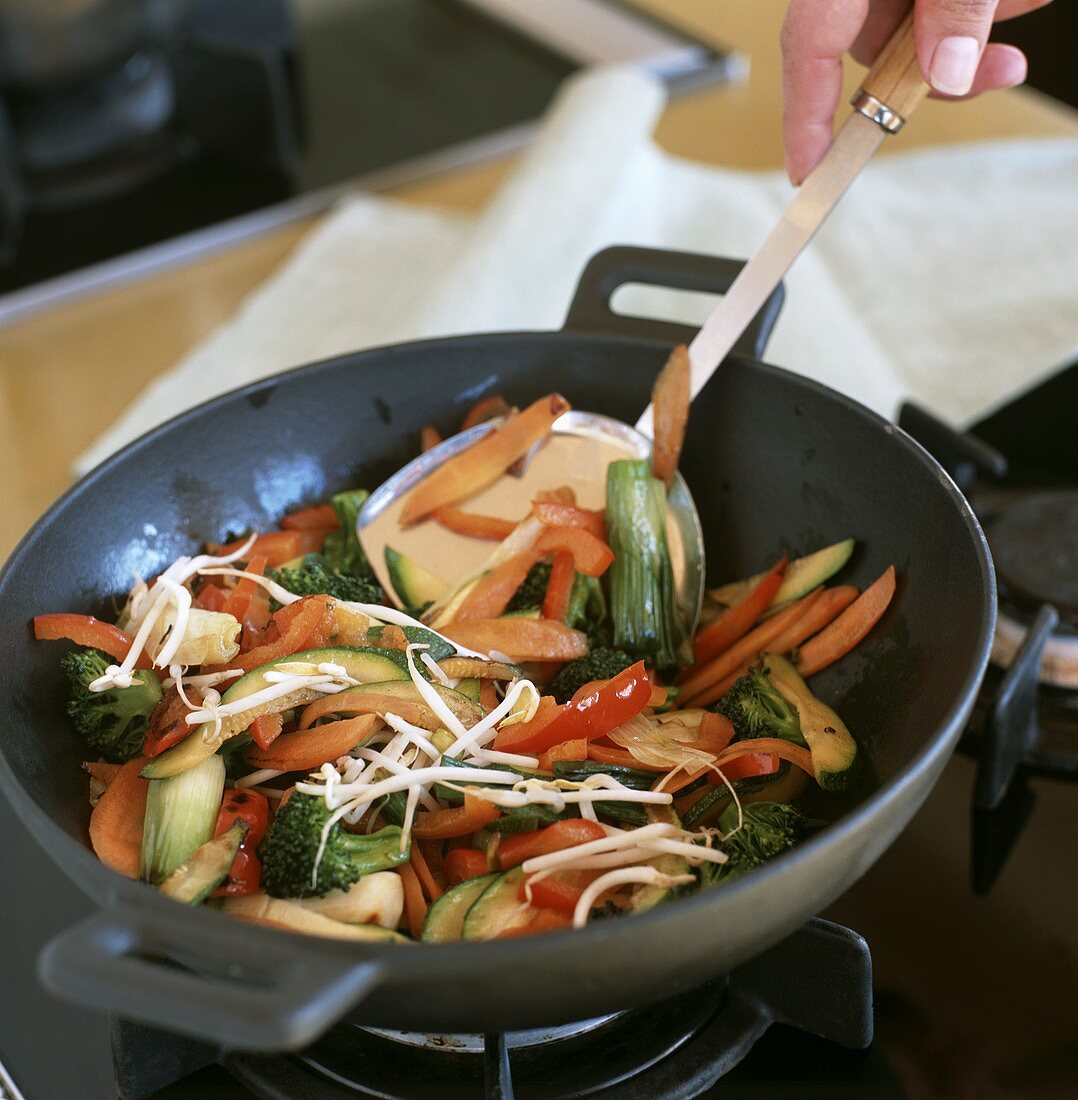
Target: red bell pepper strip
465,863
168,722
298,625
619,757
210,598
317,516
252,807
559,892
591,713
559,589
85,630
552,513
738,620
547,711
747,766
562,834
591,555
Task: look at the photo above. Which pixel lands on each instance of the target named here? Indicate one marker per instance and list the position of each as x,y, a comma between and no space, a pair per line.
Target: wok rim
76,859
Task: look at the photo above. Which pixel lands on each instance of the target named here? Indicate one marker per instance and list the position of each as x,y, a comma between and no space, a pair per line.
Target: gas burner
1025,721
818,980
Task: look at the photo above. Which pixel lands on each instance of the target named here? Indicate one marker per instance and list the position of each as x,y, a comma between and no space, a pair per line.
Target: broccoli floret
290,851
768,829
315,577
113,722
599,664
530,594
758,710
341,550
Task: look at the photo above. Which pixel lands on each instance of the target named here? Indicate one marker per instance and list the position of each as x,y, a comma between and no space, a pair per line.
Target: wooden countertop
67,373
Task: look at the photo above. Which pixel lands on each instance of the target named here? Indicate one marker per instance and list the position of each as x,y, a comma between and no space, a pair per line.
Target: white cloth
948,276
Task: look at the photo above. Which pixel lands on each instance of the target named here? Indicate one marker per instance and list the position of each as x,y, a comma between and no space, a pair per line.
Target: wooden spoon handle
894,87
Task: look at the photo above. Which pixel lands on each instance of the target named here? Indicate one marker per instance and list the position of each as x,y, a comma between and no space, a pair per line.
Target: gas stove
967,992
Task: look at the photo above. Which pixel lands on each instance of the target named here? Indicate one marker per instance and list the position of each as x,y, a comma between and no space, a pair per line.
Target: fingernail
954,64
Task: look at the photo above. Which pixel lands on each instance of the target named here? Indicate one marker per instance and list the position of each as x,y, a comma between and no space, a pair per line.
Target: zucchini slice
361,663
498,908
444,922
802,576
206,867
415,586
181,813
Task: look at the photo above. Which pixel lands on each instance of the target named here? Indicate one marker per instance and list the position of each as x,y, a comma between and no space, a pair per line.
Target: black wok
774,461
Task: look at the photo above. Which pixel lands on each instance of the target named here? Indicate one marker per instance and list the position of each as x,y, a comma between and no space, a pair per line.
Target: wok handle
614,267
243,988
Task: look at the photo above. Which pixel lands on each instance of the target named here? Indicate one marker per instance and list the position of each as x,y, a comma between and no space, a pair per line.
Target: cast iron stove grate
1019,469
818,980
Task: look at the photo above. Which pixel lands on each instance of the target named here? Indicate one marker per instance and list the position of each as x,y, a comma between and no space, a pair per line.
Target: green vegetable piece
415,586
444,922
758,710
801,577
497,909
642,598
529,596
598,664
113,723
290,864
181,813
206,867
314,577
341,549
768,829
833,749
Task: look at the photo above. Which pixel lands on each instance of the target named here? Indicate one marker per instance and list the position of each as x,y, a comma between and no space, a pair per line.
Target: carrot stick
738,620
773,746
318,516
488,697
695,691
474,524
415,908
236,605
429,437
302,750
116,820
850,627
831,603
419,864
484,462
492,592
670,398
488,408
520,639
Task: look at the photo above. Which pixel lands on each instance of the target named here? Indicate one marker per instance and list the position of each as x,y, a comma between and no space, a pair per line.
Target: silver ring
880,113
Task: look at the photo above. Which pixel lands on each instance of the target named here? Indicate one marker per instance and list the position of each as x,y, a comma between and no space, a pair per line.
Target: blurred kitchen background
127,123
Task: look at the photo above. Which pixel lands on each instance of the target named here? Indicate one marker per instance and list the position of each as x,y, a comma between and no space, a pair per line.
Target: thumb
951,36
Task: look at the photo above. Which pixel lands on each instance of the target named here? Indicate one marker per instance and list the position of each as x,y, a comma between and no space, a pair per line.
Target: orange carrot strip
563,494
736,621
302,750
415,907
831,603
567,750
456,821
278,546
316,516
850,627
488,697
773,746
492,592
266,728
488,408
670,398
605,754
695,688
552,513
419,864
520,639
473,524
236,605
116,820
484,462
429,437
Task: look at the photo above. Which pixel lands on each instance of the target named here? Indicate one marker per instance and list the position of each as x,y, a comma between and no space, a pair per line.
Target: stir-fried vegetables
546,748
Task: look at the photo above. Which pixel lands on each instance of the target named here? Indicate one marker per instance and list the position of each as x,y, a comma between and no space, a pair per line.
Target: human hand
951,49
